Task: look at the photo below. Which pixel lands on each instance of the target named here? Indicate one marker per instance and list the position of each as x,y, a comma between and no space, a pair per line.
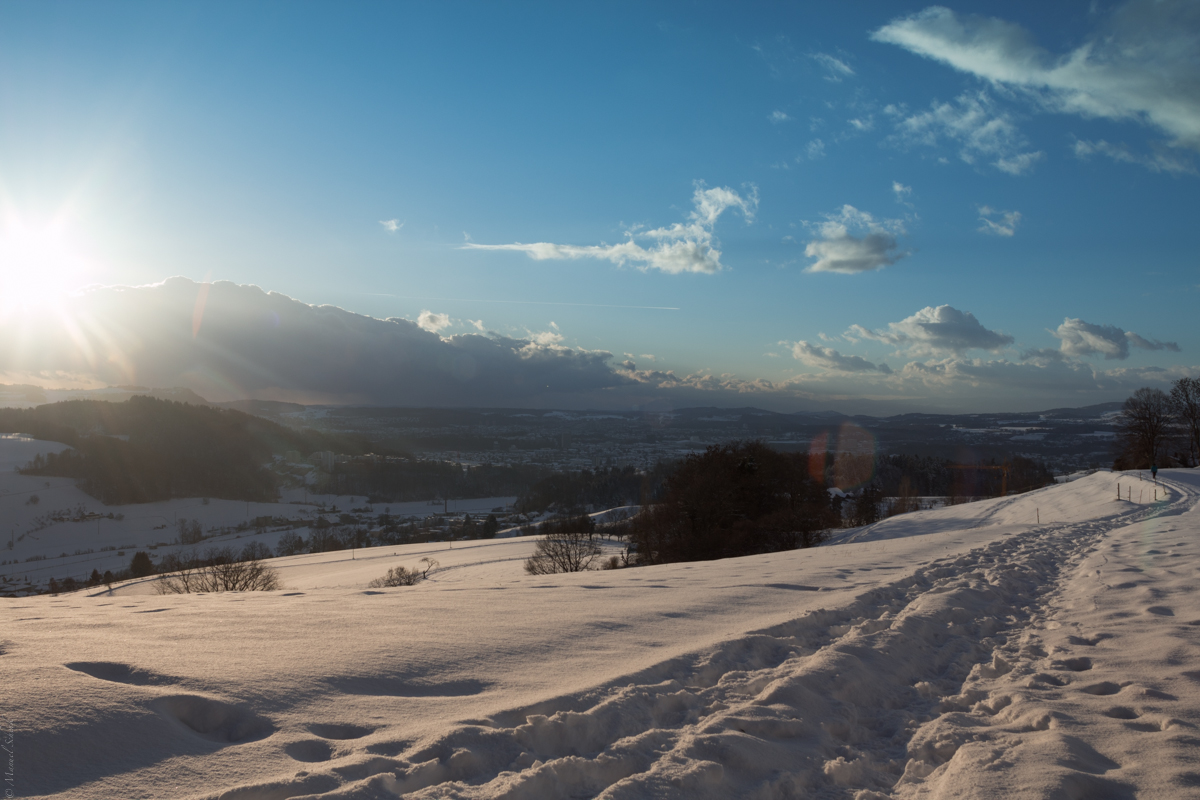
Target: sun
38,265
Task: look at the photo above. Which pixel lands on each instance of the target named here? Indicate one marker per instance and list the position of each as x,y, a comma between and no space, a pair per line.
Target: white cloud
682,247
1158,161
935,330
814,150
863,124
838,249
981,131
835,68
1142,64
477,324
1080,338
429,321
391,225
998,223
1019,163
545,338
778,116
902,192
827,358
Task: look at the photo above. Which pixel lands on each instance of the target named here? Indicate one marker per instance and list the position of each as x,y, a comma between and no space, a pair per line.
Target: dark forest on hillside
172,449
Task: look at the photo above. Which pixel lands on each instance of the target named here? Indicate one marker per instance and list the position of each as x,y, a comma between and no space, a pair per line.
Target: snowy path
987,658
965,655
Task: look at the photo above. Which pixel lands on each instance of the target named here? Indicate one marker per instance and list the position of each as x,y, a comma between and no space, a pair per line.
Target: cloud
1159,161
998,223
838,249
261,344
827,358
1150,344
477,324
835,68
932,330
682,247
902,192
981,131
1141,64
778,116
429,321
1020,163
814,150
1080,338
391,225
863,125
546,338
1042,354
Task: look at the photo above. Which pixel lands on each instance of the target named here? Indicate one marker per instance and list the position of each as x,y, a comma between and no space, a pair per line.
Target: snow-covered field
962,652
34,548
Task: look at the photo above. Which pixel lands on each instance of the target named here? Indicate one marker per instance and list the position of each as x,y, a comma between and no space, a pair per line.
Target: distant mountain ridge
27,396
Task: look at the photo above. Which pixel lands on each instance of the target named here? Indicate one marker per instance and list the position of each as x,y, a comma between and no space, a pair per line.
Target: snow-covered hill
962,652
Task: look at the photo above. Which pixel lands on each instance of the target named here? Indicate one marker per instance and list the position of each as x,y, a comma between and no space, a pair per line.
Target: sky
867,207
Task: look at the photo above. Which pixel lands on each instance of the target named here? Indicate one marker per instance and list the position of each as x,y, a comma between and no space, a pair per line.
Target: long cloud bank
228,341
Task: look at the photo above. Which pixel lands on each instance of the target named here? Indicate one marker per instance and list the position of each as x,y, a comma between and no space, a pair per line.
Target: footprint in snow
1122,712
336,730
214,720
117,672
1160,611
310,750
1103,688
1090,641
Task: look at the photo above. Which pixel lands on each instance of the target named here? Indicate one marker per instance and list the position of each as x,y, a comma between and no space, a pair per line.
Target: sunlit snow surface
962,652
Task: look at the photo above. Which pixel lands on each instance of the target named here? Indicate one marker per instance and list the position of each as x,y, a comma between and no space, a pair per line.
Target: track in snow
866,701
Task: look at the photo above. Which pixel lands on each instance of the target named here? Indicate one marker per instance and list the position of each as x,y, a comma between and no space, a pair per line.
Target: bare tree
1145,424
563,552
1185,399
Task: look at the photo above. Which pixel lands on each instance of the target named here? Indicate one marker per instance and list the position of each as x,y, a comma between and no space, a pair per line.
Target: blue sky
869,205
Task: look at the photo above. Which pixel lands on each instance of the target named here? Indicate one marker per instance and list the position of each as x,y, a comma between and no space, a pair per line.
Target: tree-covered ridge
145,449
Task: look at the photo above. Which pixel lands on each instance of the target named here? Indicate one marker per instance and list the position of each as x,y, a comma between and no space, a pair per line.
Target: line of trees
744,498
1159,428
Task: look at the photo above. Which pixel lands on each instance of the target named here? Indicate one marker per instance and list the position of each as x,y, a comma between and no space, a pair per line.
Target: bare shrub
563,552
220,571
397,576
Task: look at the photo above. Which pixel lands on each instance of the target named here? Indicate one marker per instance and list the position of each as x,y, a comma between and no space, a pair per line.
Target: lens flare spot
817,451
854,462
